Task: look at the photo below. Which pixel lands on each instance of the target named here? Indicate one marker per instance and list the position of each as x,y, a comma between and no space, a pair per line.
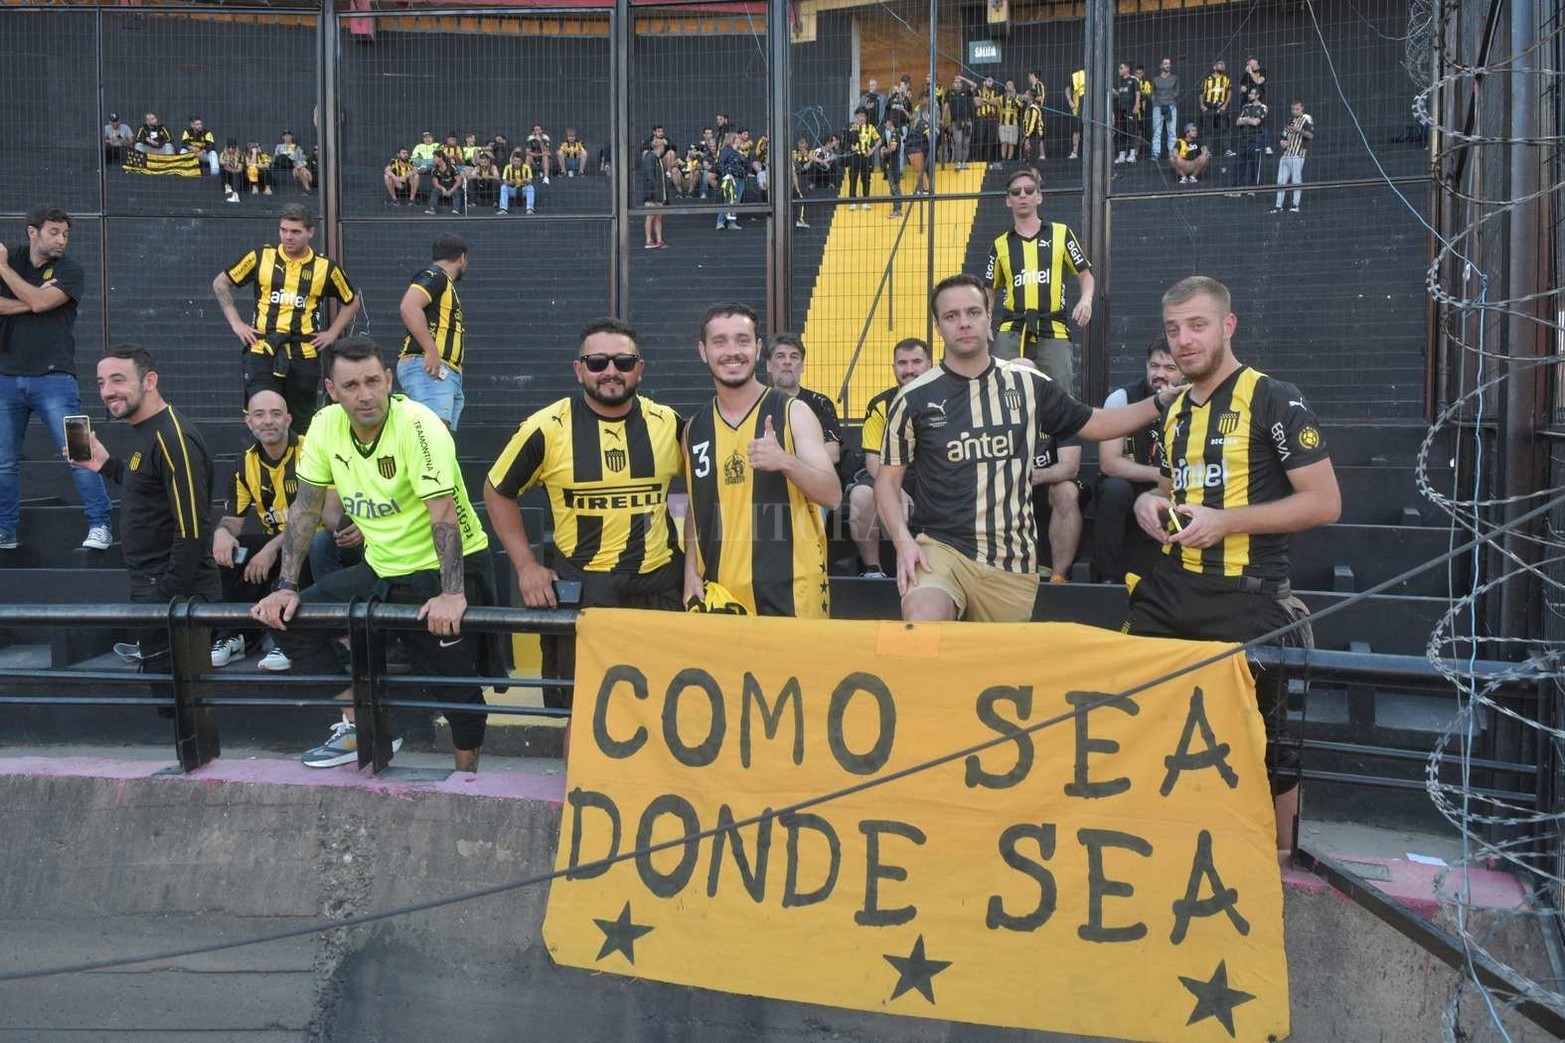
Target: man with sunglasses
606,459
1029,263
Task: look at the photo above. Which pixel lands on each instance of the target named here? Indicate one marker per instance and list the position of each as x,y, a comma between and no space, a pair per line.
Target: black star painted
916,971
1214,999
619,935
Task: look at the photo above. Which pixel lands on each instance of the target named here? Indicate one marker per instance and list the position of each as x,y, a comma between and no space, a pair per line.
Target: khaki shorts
1052,356
1009,133
981,593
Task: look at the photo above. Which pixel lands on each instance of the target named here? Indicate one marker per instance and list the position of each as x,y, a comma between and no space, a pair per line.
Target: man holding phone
40,289
606,460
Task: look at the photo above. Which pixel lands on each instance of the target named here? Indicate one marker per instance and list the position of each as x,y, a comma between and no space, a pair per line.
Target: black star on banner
1214,999
916,971
619,935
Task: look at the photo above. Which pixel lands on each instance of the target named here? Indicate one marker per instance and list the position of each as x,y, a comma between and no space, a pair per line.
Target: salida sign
1114,874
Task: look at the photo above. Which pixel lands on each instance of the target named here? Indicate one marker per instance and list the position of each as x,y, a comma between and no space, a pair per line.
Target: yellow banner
1111,874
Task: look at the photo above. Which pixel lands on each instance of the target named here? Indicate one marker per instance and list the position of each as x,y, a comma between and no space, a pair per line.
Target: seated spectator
401,178
1189,158
1127,468
470,152
117,137
424,153
445,185
516,178
258,168
499,148
1058,496
231,168
758,160
572,154
826,163
153,136
910,360
196,138
605,159
483,183
452,150
287,156
696,170
540,151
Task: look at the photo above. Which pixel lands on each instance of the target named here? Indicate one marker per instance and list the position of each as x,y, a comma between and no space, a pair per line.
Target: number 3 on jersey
701,451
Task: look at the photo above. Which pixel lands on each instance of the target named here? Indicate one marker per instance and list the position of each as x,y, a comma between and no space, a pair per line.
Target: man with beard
1244,465
430,368
755,462
167,481
909,360
976,423
1127,468
785,371
606,459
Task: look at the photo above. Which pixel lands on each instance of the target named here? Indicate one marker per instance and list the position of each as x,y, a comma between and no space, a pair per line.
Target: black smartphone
567,592
78,437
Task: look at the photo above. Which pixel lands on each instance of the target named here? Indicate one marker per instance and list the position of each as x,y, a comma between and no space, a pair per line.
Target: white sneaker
546,180
275,661
341,748
130,651
99,537
226,649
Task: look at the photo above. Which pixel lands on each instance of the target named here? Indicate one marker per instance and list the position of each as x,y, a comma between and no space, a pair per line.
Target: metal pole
328,122
103,190
779,256
1097,171
931,165
621,31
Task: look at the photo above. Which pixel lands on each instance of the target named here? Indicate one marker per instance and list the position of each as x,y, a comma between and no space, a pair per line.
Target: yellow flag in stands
184,164
1110,872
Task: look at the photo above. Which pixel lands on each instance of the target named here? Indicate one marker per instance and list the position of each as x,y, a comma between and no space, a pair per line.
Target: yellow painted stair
857,248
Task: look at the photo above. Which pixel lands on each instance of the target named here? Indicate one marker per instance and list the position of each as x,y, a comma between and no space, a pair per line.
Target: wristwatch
286,584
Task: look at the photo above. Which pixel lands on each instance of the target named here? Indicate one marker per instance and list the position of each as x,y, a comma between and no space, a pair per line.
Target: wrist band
286,584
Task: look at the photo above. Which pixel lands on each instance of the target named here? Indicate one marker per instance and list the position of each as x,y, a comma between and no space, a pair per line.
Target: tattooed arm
443,612
304,517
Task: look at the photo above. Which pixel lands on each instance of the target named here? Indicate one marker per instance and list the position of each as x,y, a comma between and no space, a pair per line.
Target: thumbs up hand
766,453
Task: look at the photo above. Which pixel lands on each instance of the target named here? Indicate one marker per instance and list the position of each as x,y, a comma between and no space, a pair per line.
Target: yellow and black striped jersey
987,100
872,436
576,149
1077,88
607,480
1031,273
289,291
1032,120
1215,90
756,534
267,485
1234,450
400,167
442,314
863,139
516,176
971,442
801,158
1011,110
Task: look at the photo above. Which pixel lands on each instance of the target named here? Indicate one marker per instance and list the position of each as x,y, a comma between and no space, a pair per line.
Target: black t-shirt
1125,95
825,411
42,342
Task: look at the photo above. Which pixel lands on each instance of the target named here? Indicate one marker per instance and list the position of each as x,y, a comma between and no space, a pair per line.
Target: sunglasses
599,363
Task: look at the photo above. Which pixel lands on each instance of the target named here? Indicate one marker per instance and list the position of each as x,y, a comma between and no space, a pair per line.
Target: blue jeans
1164,116
508,191
443,396
53,396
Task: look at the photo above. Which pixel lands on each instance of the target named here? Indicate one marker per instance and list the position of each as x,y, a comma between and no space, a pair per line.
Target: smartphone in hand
78,438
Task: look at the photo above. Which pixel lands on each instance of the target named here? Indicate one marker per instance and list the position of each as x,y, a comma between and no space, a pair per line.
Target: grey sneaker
99,537
8,541
872,574
341,748
226,649
130,651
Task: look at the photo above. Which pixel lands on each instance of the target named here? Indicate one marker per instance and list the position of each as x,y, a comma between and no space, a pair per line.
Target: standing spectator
1251,122
153,136
625,555
1254,78
785,372
445,186
731,170
1033,150
909,360
1296,138
1011,107
873,103
1188,158
196,138
915,149
1127,115
1128,467
231,169
1029,262
800,164
1058,496
756,467
572,154
1144,117
1216,95
258,168
483,182
283,343
167,492
863,143
430,551
892,137
430,367
117,138
976,557
516,179
1073,94
1165,107
290,158
40,290
960,111
986,122
655,188
1223,575
424,153
540,151
400,178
